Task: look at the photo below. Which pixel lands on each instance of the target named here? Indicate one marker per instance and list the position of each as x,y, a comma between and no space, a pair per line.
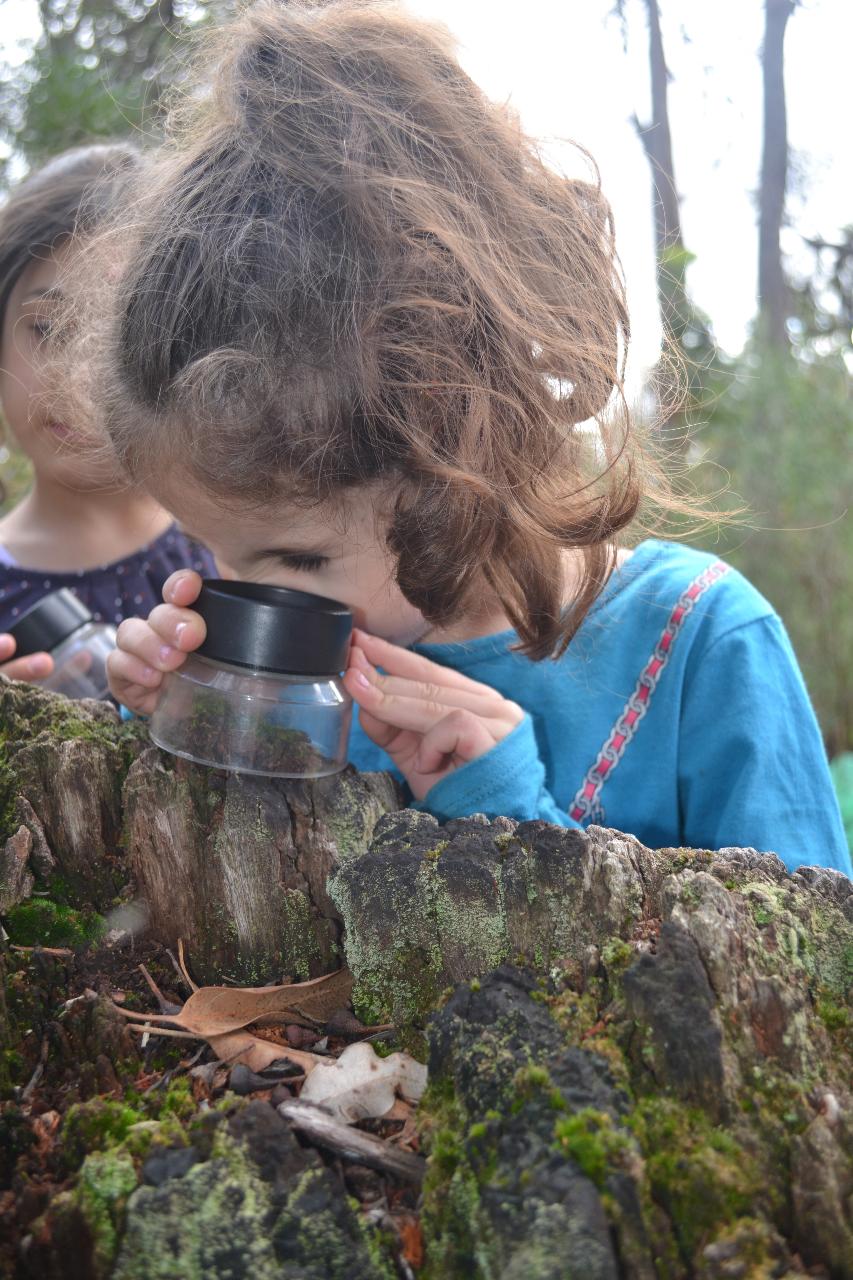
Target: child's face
335,550
29,402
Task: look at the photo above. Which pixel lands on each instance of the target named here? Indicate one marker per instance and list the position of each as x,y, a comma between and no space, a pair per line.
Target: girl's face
335,550
31,407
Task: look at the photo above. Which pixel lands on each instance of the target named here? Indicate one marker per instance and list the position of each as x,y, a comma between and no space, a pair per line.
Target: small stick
178,970
192,985
29,1088
136,1016
47,951
351,1144
148,1030
165,1005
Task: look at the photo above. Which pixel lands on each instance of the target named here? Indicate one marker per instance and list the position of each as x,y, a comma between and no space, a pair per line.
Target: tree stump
233,865
640,1059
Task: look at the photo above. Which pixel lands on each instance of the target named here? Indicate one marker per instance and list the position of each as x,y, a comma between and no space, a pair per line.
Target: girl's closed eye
305,563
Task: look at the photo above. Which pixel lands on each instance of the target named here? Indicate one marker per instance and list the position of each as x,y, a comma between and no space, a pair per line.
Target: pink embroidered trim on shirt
586,799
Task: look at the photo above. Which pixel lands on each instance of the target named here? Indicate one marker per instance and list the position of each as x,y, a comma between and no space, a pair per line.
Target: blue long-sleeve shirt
678,713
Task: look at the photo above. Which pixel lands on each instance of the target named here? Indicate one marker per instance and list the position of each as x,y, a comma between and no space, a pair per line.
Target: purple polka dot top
127,588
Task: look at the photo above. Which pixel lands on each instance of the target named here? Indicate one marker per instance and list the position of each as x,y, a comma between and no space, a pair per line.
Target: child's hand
429,719
35,666
148,648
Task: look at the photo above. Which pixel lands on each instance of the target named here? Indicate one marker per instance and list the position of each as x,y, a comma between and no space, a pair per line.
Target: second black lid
273,629
53,619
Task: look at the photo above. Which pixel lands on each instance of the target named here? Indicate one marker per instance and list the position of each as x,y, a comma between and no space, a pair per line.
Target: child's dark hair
69,194
351,266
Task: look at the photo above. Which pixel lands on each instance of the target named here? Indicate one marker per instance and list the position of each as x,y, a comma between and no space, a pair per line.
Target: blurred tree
97,70
773,296
689,351
823,320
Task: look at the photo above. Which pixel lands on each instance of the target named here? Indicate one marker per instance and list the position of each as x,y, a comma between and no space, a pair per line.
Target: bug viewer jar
263,693
63,626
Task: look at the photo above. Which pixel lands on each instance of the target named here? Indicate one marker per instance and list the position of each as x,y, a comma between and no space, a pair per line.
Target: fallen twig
65,952
166,1006
183,964
30,1087
351,1144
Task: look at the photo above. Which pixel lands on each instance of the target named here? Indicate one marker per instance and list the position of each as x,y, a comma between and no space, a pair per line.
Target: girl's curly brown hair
350,266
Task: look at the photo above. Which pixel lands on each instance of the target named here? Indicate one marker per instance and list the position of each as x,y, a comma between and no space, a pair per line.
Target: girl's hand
35,666
429,719
147,649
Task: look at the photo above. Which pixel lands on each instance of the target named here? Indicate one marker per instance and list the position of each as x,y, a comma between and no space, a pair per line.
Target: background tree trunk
772,287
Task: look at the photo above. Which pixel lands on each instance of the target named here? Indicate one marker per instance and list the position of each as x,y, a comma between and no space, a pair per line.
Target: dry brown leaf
216,1011
242,1046
411,1239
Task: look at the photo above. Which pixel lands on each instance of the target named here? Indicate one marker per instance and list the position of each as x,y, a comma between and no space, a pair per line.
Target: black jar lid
273,629
53,619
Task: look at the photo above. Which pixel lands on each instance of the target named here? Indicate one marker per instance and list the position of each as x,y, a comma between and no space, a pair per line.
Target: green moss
178,1100
698,1173
98,1125
834,1016
591,1139
451,1196
529,1080
42,922
617,955
106,1180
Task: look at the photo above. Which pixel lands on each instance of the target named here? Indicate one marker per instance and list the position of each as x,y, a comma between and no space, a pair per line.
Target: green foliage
780,430
98,70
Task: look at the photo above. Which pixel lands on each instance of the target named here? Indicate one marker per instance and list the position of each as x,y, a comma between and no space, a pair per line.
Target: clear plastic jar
281,726
232,706
61,625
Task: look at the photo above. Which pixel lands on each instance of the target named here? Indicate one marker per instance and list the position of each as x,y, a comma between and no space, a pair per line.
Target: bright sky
561,64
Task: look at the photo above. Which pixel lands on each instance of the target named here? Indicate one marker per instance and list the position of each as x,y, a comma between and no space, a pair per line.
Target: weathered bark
234,866
237,866
772,287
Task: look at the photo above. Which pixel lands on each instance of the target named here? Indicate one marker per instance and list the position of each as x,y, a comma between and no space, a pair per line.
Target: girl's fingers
179,627
411,666
182,587
7,646
484,701
459,735
36,666
387,736
132,670
138,639
407,713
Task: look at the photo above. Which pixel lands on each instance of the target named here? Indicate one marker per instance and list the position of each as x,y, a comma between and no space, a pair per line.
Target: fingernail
179,631
362,680
166,652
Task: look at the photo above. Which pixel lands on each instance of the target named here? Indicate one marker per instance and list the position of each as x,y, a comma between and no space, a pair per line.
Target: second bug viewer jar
62,625
263,693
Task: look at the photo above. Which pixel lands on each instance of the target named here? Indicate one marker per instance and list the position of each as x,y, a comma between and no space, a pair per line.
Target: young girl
79,526
361,326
